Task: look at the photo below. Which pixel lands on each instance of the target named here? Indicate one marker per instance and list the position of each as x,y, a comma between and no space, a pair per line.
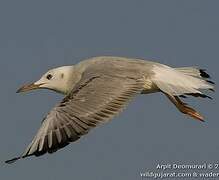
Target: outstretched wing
93,100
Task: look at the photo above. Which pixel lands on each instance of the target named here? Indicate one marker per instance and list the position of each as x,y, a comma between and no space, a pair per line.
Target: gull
98,88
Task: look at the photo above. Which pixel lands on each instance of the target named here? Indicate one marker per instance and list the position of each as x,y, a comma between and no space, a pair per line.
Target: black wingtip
212,90
205,96
211,82
199,95
204,74
182,96
10,161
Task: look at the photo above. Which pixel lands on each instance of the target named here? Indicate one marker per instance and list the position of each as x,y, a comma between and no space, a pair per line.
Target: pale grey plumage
98,89
82,110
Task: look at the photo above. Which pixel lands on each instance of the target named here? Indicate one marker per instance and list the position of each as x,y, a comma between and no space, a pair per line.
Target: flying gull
98,88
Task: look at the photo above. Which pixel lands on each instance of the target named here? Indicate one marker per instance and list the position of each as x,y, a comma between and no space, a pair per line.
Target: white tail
179,82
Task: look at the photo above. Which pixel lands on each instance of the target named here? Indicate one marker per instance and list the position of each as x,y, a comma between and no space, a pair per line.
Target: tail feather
193,71
180,82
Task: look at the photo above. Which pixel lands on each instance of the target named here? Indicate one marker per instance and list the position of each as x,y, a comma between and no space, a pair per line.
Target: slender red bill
28,87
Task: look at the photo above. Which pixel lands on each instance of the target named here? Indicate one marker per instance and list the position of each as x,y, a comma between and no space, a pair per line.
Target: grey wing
94,100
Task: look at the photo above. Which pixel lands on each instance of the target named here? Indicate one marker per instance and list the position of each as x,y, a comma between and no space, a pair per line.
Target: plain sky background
38,35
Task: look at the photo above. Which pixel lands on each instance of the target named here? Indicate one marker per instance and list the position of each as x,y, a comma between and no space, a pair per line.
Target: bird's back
117,66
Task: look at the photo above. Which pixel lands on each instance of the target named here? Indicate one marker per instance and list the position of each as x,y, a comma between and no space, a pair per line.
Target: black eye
49,76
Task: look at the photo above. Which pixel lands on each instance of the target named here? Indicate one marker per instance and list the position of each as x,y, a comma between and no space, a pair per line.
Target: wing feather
94,100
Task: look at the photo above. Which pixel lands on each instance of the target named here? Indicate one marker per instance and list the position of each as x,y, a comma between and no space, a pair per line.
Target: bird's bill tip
28,87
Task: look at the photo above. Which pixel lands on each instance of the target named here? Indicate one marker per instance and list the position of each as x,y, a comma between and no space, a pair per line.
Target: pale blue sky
38,35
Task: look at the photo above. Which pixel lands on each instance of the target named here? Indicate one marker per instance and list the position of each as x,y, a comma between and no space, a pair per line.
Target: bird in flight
98,88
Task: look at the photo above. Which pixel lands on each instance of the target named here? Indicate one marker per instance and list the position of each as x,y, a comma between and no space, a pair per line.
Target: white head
58,79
